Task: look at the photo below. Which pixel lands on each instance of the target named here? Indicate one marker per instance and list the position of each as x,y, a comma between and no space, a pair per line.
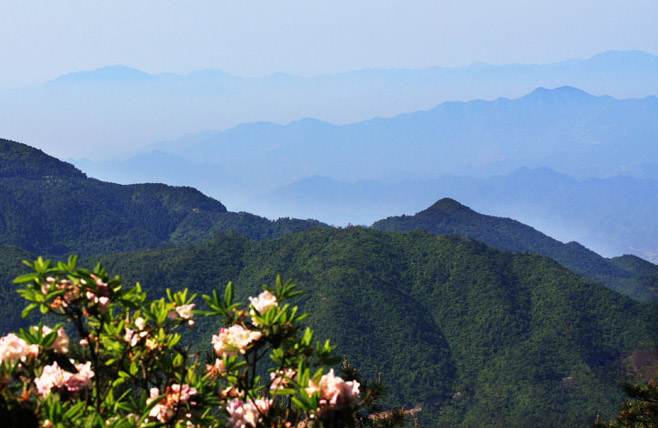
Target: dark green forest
628,274
472,334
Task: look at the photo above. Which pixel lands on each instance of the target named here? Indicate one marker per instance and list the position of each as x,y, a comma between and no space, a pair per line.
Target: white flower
334,391
280,379
61,343
14,348
185,311
140,323
244,415
235,339
54,377
263,302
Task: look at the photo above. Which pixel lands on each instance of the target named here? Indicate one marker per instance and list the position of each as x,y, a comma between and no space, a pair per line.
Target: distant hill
564,128
629,275
612,215
49,207
119,108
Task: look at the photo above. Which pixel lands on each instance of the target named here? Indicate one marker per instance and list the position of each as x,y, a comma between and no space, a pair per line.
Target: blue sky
44,39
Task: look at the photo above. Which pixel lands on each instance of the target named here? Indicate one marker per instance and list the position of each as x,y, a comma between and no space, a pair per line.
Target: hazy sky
43,39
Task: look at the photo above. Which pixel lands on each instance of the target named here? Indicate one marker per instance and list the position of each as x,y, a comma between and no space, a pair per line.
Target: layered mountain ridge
472,334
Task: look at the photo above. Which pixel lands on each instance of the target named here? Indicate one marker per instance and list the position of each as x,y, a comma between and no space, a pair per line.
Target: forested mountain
629,275
583,164
50,207
611,215
473,335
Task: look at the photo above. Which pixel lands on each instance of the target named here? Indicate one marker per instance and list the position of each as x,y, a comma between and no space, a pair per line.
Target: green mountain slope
628,275
48,206
473,335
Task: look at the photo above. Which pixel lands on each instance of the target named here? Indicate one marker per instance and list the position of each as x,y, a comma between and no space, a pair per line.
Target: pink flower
183,311
263,302
61,343
280,379
81,379
235,339
133,337
161,411
53,376
101,296
167,407
243,415
219,368
334,392
14,348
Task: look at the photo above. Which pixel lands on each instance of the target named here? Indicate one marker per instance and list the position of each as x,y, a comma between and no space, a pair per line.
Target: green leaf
27,277
228,294
29,309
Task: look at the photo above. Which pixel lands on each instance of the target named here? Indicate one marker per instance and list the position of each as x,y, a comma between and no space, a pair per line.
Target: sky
43,39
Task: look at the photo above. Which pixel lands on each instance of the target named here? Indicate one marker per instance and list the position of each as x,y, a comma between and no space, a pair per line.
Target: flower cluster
71,291
136,367
134,336
262,304
217,369
53,376
101,296
13,348
279,379
61,343
167,407
247,414
335,393
233,340
184,312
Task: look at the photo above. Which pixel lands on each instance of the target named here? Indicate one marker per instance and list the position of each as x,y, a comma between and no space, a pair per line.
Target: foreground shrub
126,363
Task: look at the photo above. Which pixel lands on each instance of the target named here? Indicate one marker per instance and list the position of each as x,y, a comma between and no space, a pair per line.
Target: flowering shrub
129,366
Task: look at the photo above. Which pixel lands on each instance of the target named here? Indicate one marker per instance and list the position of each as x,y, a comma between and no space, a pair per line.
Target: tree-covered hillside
473,335
49,207
628,275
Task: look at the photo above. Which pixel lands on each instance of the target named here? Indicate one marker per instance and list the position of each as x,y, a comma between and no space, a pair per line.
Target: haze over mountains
601,125
367,170
116,109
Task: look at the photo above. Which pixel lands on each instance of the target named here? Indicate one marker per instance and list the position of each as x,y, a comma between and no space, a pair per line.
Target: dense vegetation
49,207
629,275
471,334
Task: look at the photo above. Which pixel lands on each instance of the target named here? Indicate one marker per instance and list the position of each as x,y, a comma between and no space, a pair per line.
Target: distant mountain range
118,109
361,172
44,207
613,216
564,128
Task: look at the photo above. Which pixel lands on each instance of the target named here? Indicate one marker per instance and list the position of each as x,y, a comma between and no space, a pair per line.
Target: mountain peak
111,73
448,206
562,93
21,160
